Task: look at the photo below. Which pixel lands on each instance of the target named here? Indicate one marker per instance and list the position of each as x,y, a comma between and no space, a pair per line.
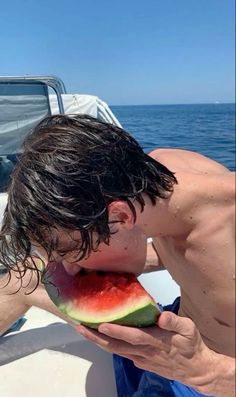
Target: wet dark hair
71,169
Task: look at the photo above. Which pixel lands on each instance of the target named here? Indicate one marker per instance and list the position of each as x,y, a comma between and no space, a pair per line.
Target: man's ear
120,213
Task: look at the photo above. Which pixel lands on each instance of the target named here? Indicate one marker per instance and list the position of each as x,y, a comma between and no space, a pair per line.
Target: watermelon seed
101,273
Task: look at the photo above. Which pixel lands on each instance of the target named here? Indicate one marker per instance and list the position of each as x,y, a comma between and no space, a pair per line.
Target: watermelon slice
95,297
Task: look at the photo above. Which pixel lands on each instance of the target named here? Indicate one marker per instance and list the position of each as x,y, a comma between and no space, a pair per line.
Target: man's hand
173,349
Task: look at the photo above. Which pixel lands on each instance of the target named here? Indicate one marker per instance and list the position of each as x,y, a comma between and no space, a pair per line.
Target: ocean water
208,129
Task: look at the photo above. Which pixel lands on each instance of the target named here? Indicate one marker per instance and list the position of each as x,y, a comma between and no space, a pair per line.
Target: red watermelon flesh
95,297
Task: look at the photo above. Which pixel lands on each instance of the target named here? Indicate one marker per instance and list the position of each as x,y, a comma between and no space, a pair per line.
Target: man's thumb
171,322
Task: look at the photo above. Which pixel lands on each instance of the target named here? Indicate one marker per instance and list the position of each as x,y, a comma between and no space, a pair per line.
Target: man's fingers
112,333
133,336
110,344
171,322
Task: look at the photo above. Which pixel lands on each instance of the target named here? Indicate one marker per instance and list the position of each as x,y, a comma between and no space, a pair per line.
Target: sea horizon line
175,104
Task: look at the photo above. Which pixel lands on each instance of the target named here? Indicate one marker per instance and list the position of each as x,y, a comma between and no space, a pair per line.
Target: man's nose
71,268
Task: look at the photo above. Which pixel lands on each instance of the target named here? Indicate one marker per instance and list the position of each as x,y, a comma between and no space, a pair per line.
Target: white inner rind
96,317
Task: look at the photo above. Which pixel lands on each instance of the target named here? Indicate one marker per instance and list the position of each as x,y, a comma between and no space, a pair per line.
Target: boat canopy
20,113
84,104
24,101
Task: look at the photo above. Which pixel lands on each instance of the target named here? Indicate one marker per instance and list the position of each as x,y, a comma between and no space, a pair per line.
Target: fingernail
103,329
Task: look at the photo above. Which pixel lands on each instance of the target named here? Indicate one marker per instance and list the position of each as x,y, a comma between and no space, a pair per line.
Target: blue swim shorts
135,382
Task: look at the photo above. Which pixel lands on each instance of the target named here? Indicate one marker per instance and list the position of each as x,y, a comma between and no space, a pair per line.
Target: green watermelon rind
142,315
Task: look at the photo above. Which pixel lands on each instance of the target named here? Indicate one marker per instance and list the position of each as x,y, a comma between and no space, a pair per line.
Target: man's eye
62,253
71,254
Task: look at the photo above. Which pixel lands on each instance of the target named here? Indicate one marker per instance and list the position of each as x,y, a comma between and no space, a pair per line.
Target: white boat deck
48,358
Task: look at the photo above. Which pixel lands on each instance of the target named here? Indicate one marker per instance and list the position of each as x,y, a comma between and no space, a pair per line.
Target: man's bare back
202,260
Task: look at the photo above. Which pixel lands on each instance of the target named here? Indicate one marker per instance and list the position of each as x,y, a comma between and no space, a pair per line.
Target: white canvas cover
20,113
84,104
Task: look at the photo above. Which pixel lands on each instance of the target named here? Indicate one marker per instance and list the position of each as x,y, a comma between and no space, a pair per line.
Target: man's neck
168,217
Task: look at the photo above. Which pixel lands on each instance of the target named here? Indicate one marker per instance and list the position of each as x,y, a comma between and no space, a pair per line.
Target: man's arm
153,262
12,305
18,296
220,377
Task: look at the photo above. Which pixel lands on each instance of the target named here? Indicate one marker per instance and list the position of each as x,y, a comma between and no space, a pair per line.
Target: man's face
126,252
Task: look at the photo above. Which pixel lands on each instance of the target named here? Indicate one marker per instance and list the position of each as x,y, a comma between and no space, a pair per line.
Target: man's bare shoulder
186,160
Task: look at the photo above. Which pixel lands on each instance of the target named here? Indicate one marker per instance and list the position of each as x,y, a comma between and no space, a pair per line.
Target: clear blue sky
124,51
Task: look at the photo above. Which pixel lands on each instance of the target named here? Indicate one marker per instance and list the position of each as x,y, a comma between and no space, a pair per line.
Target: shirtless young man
85,194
